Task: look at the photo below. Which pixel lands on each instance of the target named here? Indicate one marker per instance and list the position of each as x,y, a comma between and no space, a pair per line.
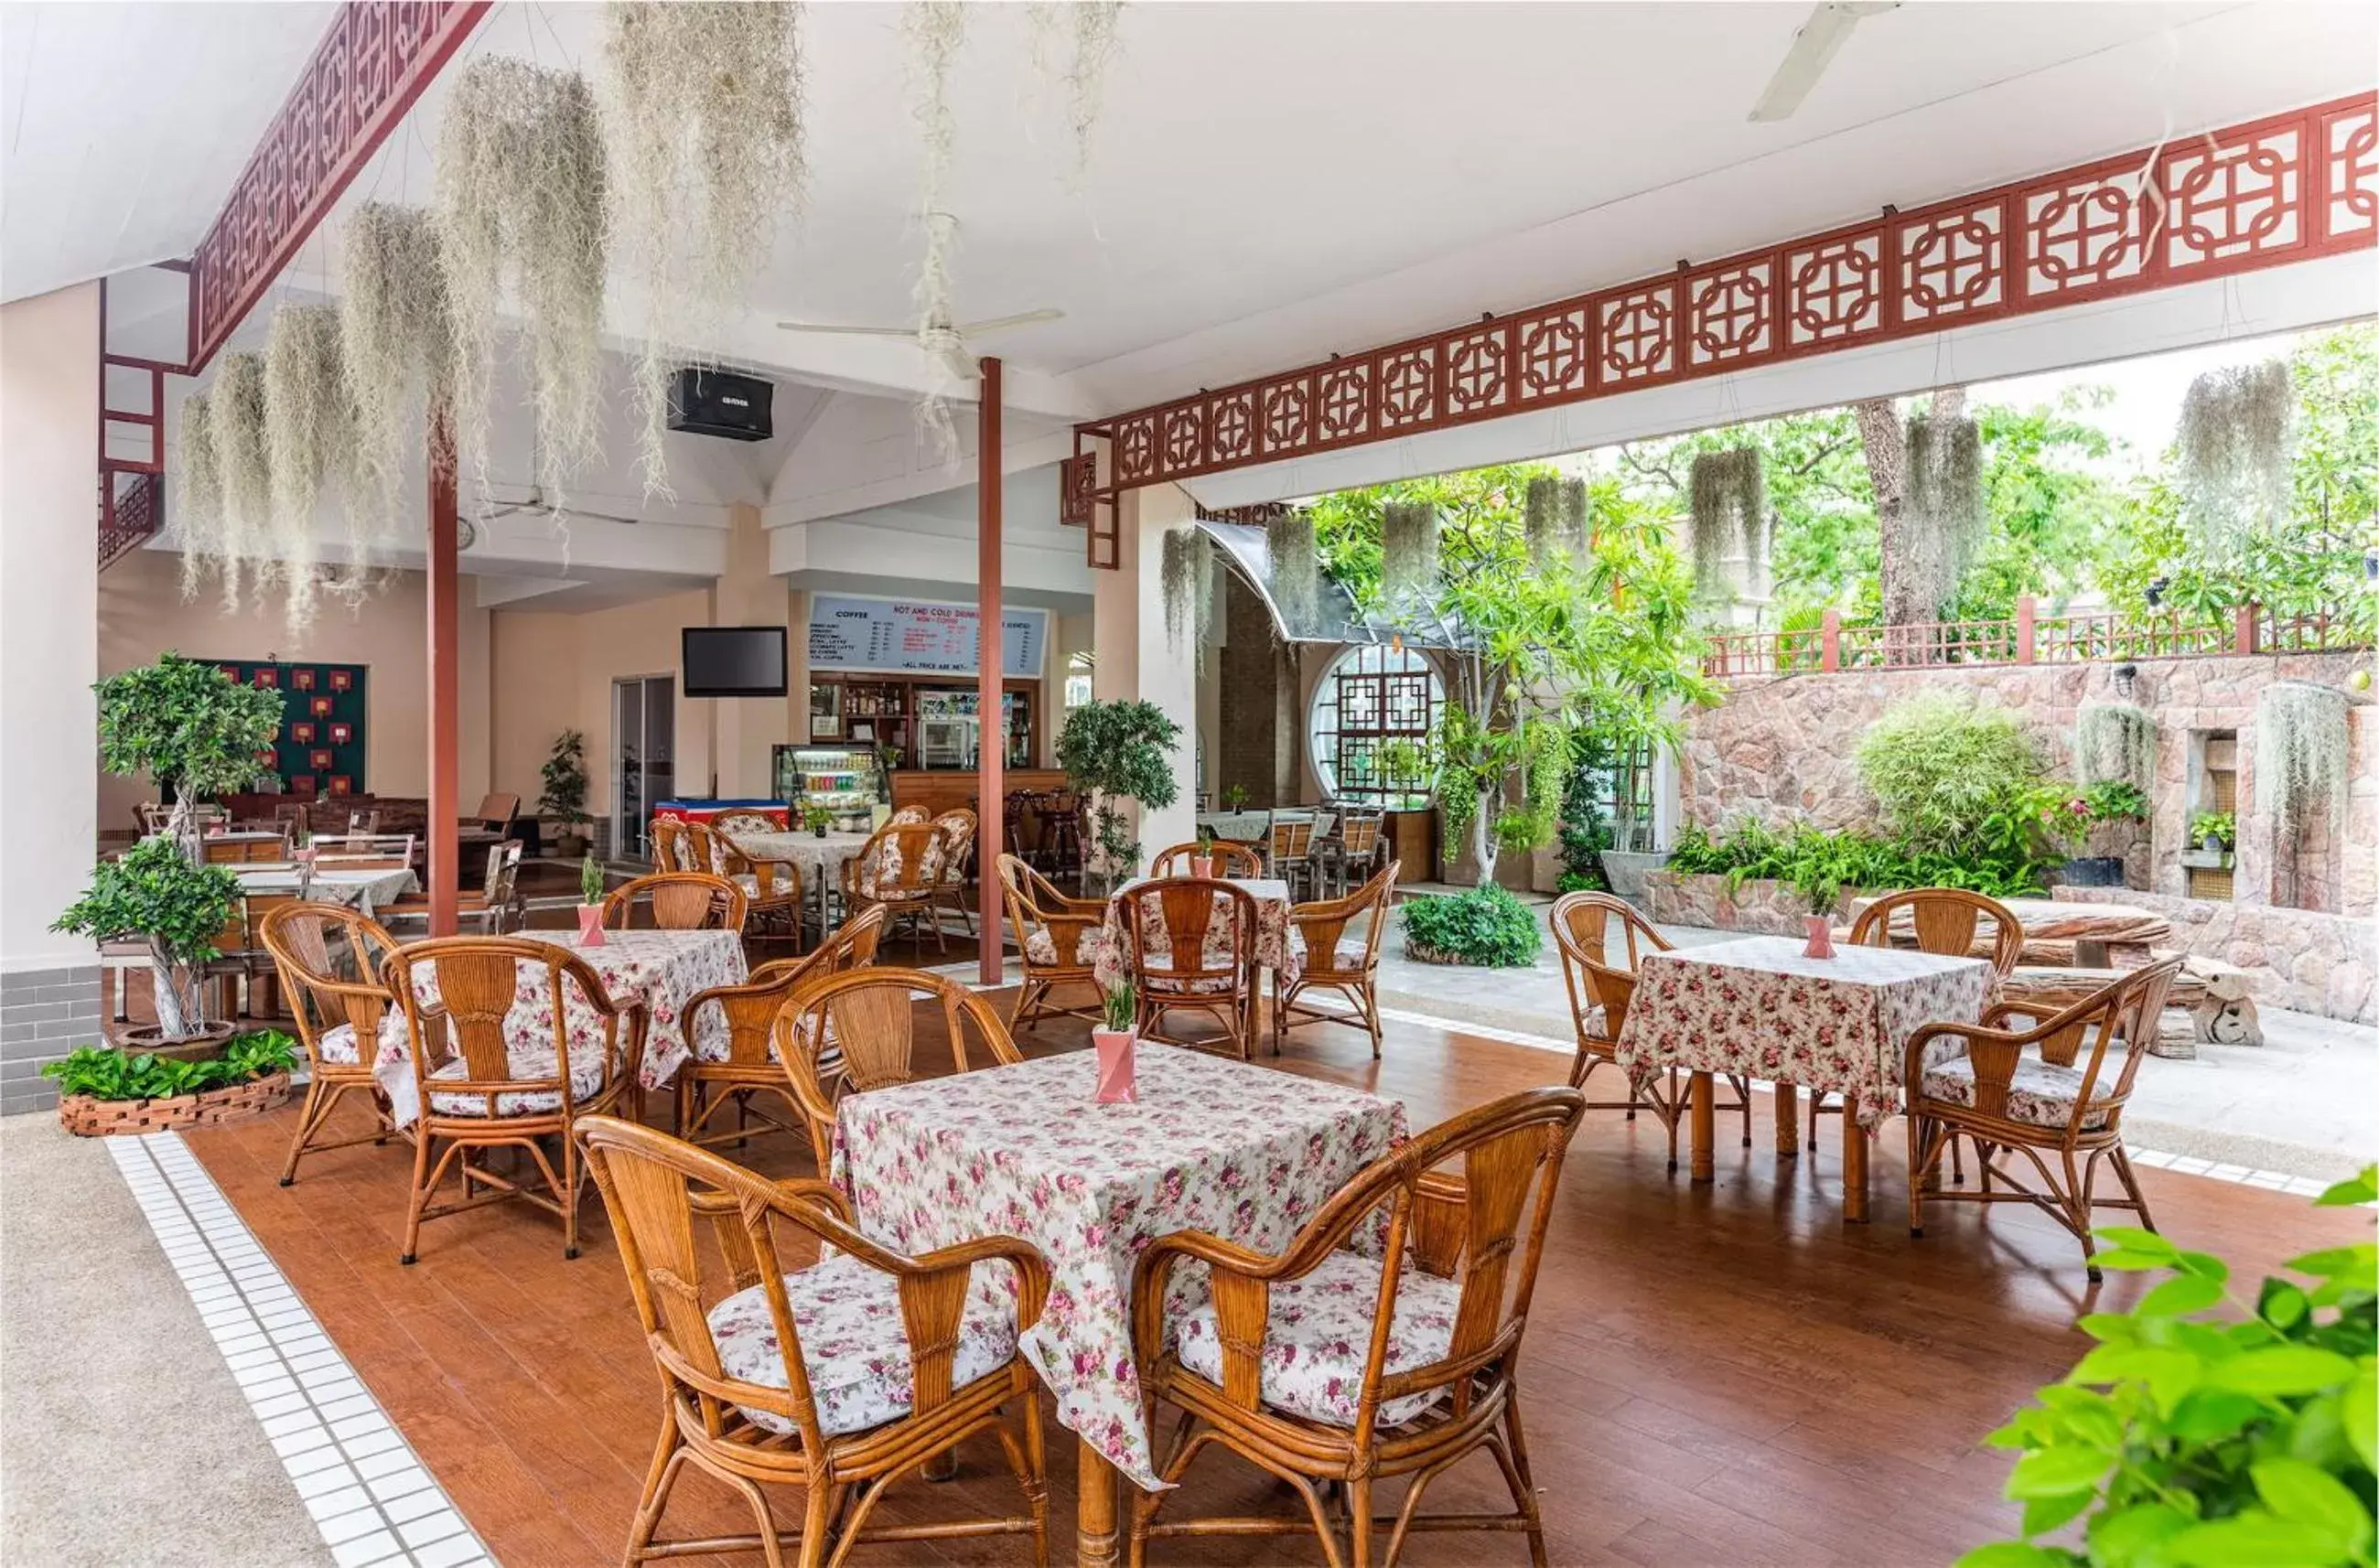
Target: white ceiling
1268,183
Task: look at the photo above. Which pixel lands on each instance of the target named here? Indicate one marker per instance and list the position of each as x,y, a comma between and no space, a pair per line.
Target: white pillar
1137,658
49,656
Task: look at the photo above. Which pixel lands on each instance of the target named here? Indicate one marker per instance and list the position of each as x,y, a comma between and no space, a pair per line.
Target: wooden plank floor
1719,1374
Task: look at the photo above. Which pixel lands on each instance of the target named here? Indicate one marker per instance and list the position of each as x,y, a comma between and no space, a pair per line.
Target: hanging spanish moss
1189,570
707,116
2115,743
1555,520
1409,579
2236,454
522,200
245,517
2300,752
199,505
396,345
1946,517
1728,500
309,441
1294,567
935,28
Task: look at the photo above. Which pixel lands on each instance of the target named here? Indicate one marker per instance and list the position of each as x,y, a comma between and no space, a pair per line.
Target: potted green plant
188,726
564,800
156,894
2214,830
104,1089
1235,797
816,817
1117,1039
1202,862
1114,752
591,902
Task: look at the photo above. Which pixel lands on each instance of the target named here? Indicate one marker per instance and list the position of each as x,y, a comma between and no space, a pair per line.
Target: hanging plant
1294,567
1189,570
1946,516
1555,520
245,482
395,341
522,200
2236,457
1083,73
1408,579
199,505
2299,754
707,118
2115,743
934,29
1728,500
309,441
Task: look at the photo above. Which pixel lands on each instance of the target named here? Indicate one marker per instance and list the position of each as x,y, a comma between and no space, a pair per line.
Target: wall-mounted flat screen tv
734,662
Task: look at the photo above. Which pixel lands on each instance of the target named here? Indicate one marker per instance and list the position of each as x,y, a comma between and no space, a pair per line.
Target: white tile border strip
375,1502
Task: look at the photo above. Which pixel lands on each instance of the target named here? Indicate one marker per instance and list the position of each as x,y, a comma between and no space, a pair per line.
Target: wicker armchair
1192,948
665,841
676,901
870,1017
1230,859
330,961
1334,962
1322,1366
899,1357
1288,845
773,894
1051,934
2021,1091
900,871
958,826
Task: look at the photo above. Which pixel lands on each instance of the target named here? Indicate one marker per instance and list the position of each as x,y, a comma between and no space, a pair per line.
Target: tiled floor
374,1504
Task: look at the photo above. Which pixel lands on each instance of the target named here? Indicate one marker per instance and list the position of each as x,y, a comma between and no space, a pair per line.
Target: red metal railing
2029,638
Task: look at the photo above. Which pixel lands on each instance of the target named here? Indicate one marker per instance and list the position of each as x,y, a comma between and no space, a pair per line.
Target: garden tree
1604,641
1884,440
190,727
1114,752
2055,511
156,893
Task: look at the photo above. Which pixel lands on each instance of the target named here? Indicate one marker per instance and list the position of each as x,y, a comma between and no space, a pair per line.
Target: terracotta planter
1116,1048
590,925
147,1038
87,1117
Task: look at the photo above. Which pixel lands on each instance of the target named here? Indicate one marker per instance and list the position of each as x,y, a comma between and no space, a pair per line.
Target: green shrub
2116,799
1486,925
106,1073
1819,865
2209,1445
1946,775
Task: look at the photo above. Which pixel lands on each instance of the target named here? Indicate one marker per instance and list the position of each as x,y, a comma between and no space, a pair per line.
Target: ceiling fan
1813,46
944,340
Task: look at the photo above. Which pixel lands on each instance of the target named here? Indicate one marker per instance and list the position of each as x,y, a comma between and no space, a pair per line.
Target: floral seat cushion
337,1044
1187,985
779,882
528,1061
2040,1094
1040,946
1347,955
853,1345
1319,1333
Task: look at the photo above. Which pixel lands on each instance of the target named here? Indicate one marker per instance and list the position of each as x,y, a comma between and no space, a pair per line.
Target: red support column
2027,615
991,796
2242,628
1829,641
445,685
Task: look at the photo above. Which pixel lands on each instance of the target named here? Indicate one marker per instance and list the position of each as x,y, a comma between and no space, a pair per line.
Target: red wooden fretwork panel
1636,335
1408,387
2349,142
2233,197
1730,314
1833,291
1077,484
1184,444
1287,408
2081,237
1135,449
1478,378
1555,354
1344,395
1953,263
1231,426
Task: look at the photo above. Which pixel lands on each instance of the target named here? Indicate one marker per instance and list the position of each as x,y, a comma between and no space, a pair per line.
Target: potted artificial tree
156,894
192,728
1113,752
564,800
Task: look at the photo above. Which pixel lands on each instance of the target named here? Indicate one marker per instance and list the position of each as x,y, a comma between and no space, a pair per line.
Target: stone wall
1758,908
1259,722
2315,963
1780,750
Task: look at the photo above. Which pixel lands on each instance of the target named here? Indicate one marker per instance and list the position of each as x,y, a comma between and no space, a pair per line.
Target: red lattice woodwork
364,74
2269,192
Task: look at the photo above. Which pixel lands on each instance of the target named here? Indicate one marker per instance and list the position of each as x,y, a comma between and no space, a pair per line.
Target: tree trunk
178,1016
1483,845
1908,597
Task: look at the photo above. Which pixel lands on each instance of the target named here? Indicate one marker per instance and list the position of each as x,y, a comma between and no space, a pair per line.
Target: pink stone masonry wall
2315,963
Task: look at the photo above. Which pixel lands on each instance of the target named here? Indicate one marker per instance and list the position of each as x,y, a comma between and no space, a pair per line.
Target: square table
365,891
1761,1007
820,858
1245,1151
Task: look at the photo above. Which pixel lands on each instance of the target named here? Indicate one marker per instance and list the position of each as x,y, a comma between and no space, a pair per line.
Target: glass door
644,733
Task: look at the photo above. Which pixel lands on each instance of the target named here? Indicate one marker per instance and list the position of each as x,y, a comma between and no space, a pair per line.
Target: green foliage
1949,776
2220,825
1487,925
1820,865
186,724
2245,1441
816,817
565,779
590,880
2116,799
1120,1006
106,1073
156,892
1584,834
1115,752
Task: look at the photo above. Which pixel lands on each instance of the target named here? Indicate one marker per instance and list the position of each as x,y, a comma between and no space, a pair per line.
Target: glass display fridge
850,782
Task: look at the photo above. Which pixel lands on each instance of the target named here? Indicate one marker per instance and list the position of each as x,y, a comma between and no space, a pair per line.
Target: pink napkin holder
590,925
1116,1048
1821,937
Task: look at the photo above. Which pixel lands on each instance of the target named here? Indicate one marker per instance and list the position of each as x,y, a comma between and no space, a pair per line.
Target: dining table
1764,1007
664,969
1210,1144
364,891
820,856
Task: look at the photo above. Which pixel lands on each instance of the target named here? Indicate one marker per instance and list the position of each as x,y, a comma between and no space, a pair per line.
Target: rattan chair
665,843
2021,1091
1352,850
730,823
1334,962
753,1013
1191,943
900,870
496,905
772,889
330,959
1943,922
1323,1365
1289,846
870,1016
477,1087
921,1354
1051,934
676,901
1230,859
958,826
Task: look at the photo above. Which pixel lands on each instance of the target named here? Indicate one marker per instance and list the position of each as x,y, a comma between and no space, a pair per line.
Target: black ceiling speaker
721,403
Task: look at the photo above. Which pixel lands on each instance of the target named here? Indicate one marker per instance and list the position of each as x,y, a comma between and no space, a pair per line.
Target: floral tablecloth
820,859
1760,1007
1244,1151
1274,949
366,891
665,970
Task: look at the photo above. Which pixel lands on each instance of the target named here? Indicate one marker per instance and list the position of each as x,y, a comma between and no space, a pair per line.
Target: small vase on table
1116,1041
590,910
1821,937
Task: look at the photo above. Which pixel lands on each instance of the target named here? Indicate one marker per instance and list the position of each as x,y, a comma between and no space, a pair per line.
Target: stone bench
2210,996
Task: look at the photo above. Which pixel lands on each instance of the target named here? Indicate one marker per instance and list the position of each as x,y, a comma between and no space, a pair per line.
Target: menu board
918,636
